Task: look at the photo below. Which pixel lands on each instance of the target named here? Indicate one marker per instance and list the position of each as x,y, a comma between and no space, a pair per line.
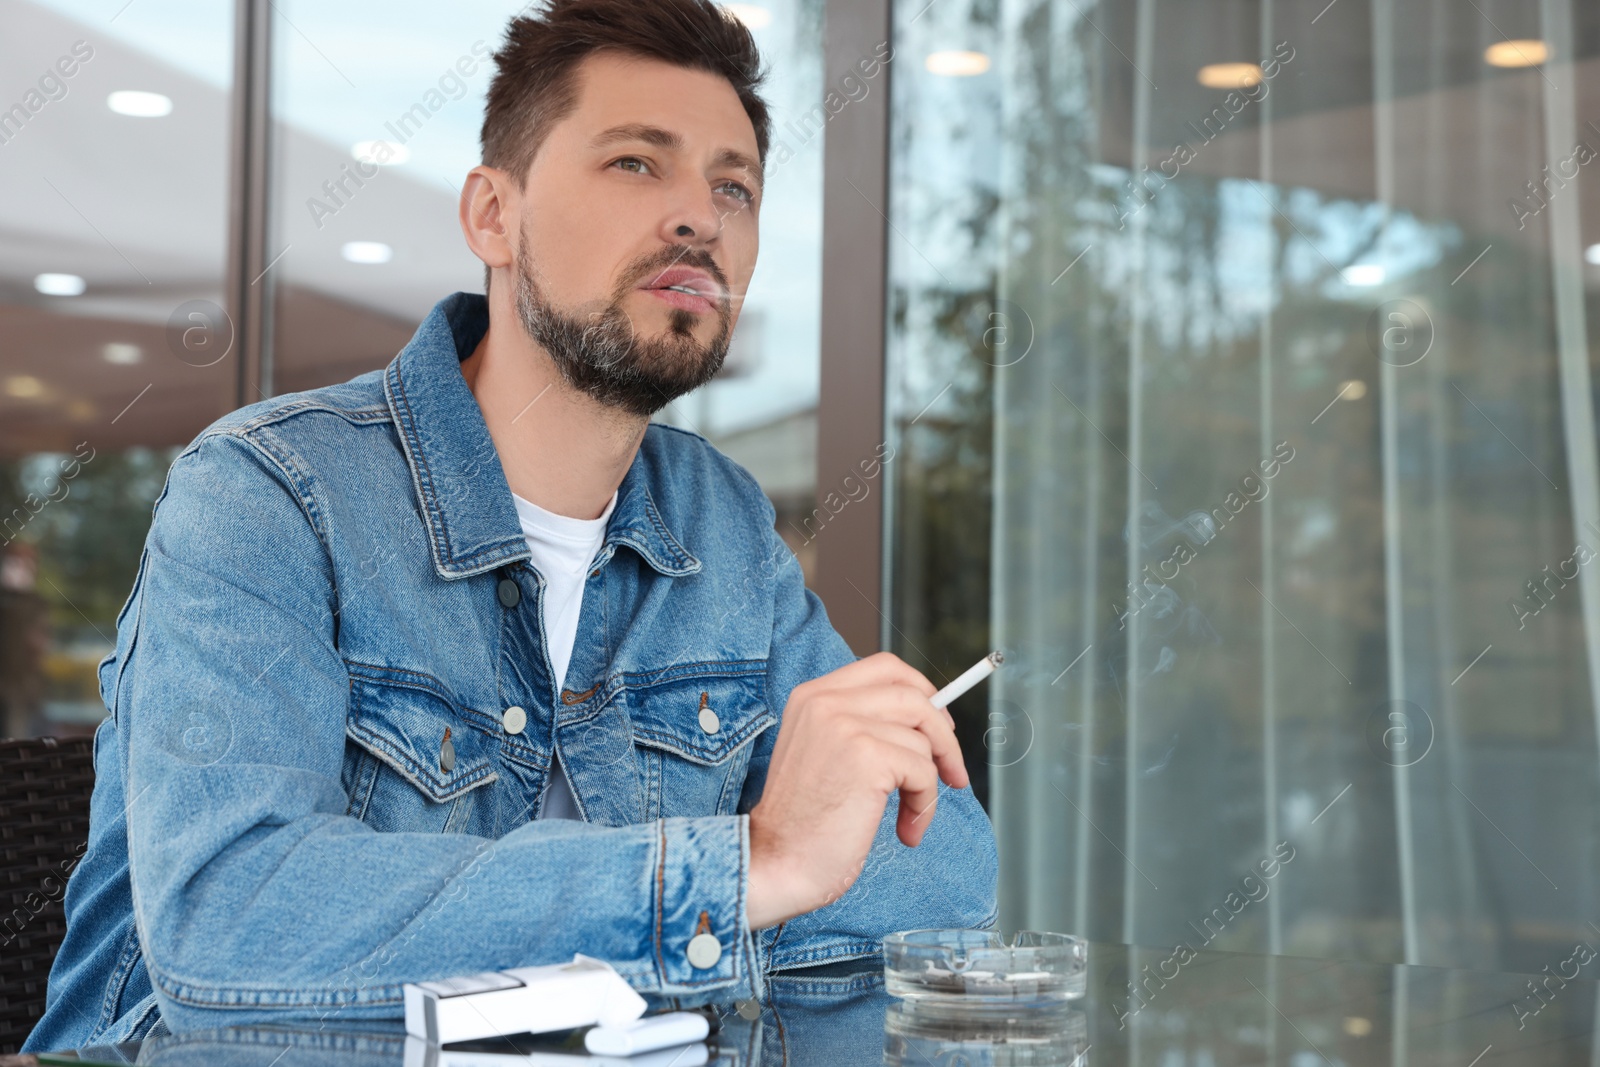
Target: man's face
648,189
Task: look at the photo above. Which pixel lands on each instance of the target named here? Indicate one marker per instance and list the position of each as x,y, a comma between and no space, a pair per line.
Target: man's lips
685,287
685,301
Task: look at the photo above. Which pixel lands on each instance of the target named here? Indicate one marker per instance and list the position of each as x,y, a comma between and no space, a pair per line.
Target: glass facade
114,215
1240,375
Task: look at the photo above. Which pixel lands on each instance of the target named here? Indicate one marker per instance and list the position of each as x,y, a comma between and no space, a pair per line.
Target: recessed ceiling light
1363,274
367,252
24,386
1591,255
956,64
139,104
1230,75
60,284
1356,1026
1519,53
1354,389
754,16
121,352
382,153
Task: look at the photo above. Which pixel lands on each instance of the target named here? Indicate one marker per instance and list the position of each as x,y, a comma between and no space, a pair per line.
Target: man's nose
694,218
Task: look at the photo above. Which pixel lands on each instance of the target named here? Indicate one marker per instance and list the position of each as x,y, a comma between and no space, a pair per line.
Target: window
113,204
1239,367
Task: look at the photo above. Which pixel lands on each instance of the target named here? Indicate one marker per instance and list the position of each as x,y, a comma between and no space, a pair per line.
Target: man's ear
487,213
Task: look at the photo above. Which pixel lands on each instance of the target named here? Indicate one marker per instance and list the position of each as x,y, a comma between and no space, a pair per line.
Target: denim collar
460,485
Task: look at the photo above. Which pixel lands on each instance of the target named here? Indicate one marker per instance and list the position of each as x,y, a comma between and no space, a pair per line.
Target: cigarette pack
421,1054
535,1000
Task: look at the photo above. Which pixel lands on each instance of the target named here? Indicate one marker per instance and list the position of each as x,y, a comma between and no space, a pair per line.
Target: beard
598,352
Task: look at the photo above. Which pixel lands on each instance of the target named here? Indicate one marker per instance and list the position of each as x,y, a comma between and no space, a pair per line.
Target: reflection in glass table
1143,1006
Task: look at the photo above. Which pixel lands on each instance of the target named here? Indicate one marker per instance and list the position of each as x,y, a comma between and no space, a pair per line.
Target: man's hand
848,740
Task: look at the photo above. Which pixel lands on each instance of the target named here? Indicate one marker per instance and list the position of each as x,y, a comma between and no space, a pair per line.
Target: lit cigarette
969,678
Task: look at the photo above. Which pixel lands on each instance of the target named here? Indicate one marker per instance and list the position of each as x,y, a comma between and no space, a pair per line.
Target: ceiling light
1591,255
1356,1026
121,352
956,64
25,386
1520,53
382,153
1230,75
1363,274
60,284
367,252
139,104
1354,389
754,16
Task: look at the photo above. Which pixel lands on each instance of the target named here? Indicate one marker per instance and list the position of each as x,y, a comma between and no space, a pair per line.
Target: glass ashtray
970,967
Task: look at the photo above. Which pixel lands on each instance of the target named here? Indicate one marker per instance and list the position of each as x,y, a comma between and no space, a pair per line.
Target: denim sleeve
256,897
948,880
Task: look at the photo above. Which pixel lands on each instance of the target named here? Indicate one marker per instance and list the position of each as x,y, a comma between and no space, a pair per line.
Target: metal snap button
749,1010
509,592
514,719
704,951
708,718
447,753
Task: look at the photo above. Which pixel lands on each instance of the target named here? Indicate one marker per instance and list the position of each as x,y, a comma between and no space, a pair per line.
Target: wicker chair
44,824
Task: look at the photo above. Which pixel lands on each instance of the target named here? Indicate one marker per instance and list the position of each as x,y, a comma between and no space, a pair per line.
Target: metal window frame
851,413
248,283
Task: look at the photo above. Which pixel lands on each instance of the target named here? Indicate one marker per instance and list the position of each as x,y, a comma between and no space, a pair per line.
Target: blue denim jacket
333,582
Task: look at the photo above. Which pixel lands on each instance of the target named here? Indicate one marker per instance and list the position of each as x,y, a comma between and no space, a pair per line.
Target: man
464,664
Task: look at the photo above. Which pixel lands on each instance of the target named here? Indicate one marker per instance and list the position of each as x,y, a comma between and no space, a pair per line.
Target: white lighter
648,1034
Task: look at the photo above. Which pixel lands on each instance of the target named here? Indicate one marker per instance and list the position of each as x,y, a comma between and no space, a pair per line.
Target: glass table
1143,1006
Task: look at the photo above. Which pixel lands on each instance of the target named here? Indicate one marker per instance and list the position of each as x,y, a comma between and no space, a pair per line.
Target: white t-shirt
562,548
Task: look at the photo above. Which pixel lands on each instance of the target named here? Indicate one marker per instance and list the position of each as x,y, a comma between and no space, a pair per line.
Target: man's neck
560,449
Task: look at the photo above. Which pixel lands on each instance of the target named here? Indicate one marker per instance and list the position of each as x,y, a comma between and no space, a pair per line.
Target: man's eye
630,163
737,191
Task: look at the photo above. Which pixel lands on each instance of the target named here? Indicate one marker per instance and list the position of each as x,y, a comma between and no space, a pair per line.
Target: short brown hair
535,85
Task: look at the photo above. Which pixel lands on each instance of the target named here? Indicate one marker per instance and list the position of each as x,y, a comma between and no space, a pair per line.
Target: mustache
654,263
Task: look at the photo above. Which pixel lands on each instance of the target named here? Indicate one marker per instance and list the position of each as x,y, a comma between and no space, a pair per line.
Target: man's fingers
913,820
880,668
919,791
890,733
903,707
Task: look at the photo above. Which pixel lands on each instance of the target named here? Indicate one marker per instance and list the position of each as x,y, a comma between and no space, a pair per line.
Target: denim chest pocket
694,735
414,761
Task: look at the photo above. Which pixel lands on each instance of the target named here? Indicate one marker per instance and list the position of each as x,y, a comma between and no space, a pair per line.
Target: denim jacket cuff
754,944
702,935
